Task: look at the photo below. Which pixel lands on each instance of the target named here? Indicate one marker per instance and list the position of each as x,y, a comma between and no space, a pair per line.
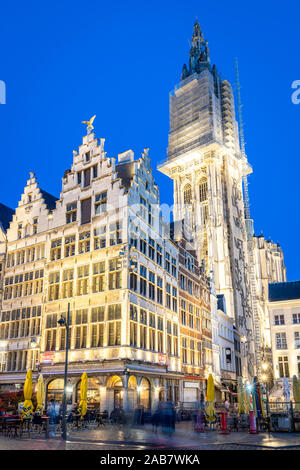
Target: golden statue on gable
89,123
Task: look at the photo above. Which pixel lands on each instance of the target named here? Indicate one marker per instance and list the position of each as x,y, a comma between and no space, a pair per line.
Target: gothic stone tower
207,167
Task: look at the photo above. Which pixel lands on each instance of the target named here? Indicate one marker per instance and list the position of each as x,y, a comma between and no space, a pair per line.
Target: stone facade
103,249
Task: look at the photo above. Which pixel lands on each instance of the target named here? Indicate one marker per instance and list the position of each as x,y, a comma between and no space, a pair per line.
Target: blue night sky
66,61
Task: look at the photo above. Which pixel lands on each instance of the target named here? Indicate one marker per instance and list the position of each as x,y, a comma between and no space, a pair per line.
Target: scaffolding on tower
250,231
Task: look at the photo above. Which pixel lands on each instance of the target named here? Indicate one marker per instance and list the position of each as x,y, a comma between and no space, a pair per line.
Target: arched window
93,392
203,190
187,194
144,391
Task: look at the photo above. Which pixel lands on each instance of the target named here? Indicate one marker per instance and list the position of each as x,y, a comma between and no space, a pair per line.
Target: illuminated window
55,252
159,289
54,285
187,194
281,341
133,325
100,237
203,191
84,242
83,280
99,277
283,365
100,203
67,283
114,327
115,233
70,246
114,276
71,212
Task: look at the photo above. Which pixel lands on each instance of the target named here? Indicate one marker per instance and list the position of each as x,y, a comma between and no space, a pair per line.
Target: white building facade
284,311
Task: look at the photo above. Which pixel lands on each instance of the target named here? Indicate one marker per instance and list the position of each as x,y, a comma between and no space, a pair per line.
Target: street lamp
62,322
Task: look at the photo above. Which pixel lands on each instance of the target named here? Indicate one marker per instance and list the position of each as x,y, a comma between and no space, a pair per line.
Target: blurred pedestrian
52,417
155,420
168,418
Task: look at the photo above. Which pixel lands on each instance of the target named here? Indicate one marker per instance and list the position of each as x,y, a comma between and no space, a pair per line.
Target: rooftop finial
89,123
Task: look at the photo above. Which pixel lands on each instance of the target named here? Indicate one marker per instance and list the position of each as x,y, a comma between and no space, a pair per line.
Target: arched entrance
144,392
55,391
132,393
93,392
115,392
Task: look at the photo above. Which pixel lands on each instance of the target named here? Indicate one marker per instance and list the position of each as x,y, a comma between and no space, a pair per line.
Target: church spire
199,53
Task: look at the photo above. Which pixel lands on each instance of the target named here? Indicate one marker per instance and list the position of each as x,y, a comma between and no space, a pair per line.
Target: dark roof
6,214
50,200
284,291
125,171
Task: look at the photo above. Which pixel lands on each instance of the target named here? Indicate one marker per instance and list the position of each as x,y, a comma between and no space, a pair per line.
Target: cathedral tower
207,167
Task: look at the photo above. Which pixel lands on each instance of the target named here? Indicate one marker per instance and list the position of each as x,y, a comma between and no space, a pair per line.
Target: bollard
224,428
199,422
253,428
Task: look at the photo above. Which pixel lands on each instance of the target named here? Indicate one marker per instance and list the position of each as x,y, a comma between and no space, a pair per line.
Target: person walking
52,417
155,420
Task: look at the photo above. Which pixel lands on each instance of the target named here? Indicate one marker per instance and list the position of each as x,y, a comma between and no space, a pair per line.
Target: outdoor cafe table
11,422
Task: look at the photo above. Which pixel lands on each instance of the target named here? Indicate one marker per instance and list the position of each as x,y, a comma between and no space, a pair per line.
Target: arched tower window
187,194
203,190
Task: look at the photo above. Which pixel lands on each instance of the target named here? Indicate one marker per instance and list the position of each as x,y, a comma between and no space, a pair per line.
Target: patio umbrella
296,392
40,395
27,411
210,398
83,395
241,396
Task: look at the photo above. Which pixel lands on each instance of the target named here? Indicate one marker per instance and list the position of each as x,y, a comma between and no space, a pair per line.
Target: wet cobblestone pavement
115,437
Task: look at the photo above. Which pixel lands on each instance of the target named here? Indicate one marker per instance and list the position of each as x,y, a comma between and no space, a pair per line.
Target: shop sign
191,385
163,359
47,358
228,375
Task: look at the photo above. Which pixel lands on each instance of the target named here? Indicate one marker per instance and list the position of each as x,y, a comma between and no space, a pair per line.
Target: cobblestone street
113,437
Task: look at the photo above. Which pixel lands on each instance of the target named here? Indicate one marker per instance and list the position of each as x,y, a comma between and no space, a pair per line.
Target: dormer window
19,231
29,197
87,156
